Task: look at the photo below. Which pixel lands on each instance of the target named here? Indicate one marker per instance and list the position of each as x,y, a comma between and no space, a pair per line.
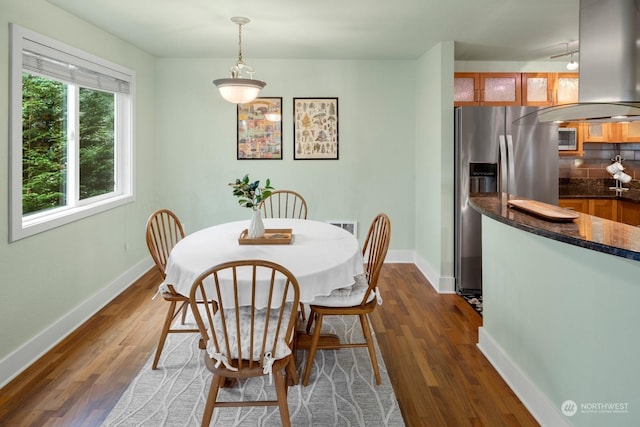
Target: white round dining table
321,256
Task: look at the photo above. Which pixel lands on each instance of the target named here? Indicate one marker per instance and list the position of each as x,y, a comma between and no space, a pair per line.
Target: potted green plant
249,195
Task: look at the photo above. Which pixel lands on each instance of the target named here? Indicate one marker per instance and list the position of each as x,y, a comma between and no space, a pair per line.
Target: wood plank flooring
428,342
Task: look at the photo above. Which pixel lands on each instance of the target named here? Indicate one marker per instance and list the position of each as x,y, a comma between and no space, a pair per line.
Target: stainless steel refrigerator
494,154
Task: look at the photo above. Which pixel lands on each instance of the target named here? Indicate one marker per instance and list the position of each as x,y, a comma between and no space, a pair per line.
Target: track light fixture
573,64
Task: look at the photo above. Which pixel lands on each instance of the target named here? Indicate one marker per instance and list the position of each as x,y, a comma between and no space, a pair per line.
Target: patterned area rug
342,390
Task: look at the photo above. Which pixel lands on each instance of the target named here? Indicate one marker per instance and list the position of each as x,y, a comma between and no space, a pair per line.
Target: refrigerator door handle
503,157
512,170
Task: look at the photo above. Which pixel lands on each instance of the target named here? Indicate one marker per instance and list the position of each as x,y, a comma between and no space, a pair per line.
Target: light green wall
433,163
46,276
396,151
185,155
556,66
567,316
197,141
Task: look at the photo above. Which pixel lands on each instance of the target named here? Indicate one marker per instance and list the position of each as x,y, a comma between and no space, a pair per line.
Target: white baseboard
447,285
442,284
538,404
400,256
24,356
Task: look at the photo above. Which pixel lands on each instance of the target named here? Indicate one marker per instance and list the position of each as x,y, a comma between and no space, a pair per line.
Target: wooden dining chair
284,204
247,340
163,231
360,299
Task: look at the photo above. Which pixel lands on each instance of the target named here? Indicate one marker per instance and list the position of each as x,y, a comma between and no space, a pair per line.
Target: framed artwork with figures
315,128
259,125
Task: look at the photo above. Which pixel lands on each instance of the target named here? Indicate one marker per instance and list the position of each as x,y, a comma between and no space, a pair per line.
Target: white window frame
28,225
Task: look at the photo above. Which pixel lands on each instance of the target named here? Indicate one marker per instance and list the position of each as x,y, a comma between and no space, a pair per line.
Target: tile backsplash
597,157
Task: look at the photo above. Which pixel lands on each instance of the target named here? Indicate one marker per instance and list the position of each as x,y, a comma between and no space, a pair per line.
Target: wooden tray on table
272,236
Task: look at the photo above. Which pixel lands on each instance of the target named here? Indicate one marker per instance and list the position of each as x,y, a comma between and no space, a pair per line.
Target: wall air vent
350,226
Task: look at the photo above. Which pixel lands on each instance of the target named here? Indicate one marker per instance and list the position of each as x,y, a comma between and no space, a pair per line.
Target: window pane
97,171
44,147
71,138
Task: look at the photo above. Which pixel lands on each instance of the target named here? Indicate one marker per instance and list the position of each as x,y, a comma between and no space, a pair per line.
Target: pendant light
573,64
239,89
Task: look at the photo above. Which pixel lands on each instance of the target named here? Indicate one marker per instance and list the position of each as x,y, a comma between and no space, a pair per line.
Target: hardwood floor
428,342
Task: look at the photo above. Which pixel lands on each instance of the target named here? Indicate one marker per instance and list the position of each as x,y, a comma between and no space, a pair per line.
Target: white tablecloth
322,257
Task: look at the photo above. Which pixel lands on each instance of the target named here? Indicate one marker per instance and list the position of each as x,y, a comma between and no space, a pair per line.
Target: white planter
256,227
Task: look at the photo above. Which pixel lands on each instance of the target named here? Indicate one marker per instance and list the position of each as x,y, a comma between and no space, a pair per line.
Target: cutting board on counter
545,210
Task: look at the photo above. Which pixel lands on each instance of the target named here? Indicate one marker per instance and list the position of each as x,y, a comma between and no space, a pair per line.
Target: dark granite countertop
586,231
580,188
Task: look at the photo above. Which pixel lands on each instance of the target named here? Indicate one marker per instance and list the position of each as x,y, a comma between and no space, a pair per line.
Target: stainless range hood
609,64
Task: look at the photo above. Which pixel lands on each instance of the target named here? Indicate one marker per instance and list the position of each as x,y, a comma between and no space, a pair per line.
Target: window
71,134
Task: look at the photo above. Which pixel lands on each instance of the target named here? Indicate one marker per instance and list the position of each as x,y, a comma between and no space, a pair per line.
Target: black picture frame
315,129
259,138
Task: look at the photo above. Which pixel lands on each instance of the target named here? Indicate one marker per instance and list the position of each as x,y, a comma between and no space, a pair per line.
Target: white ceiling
517,30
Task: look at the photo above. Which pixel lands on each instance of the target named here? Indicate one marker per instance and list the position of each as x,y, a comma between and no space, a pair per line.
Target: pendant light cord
240,44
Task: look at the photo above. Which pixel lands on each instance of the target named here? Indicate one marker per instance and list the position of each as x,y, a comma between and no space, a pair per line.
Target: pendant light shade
573,64
238,89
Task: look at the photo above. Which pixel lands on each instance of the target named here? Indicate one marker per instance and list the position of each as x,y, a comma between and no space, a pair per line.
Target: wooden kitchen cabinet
532,89
601,132
629,212
537,89
593,132
466,89
613,209
491,89
604,208
549,89
629,132
500,89
565,88
613,133
578,205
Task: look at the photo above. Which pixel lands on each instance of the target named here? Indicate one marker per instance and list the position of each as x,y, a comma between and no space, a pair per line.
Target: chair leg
184,308
310,321
313,347
302,310
216,383
165,332
292,373
281,392
366,330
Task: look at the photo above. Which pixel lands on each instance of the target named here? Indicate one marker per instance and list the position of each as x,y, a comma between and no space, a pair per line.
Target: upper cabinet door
602,132
466,89
566,88
487,89
549,89
537,89
500,89
595,132
630,132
